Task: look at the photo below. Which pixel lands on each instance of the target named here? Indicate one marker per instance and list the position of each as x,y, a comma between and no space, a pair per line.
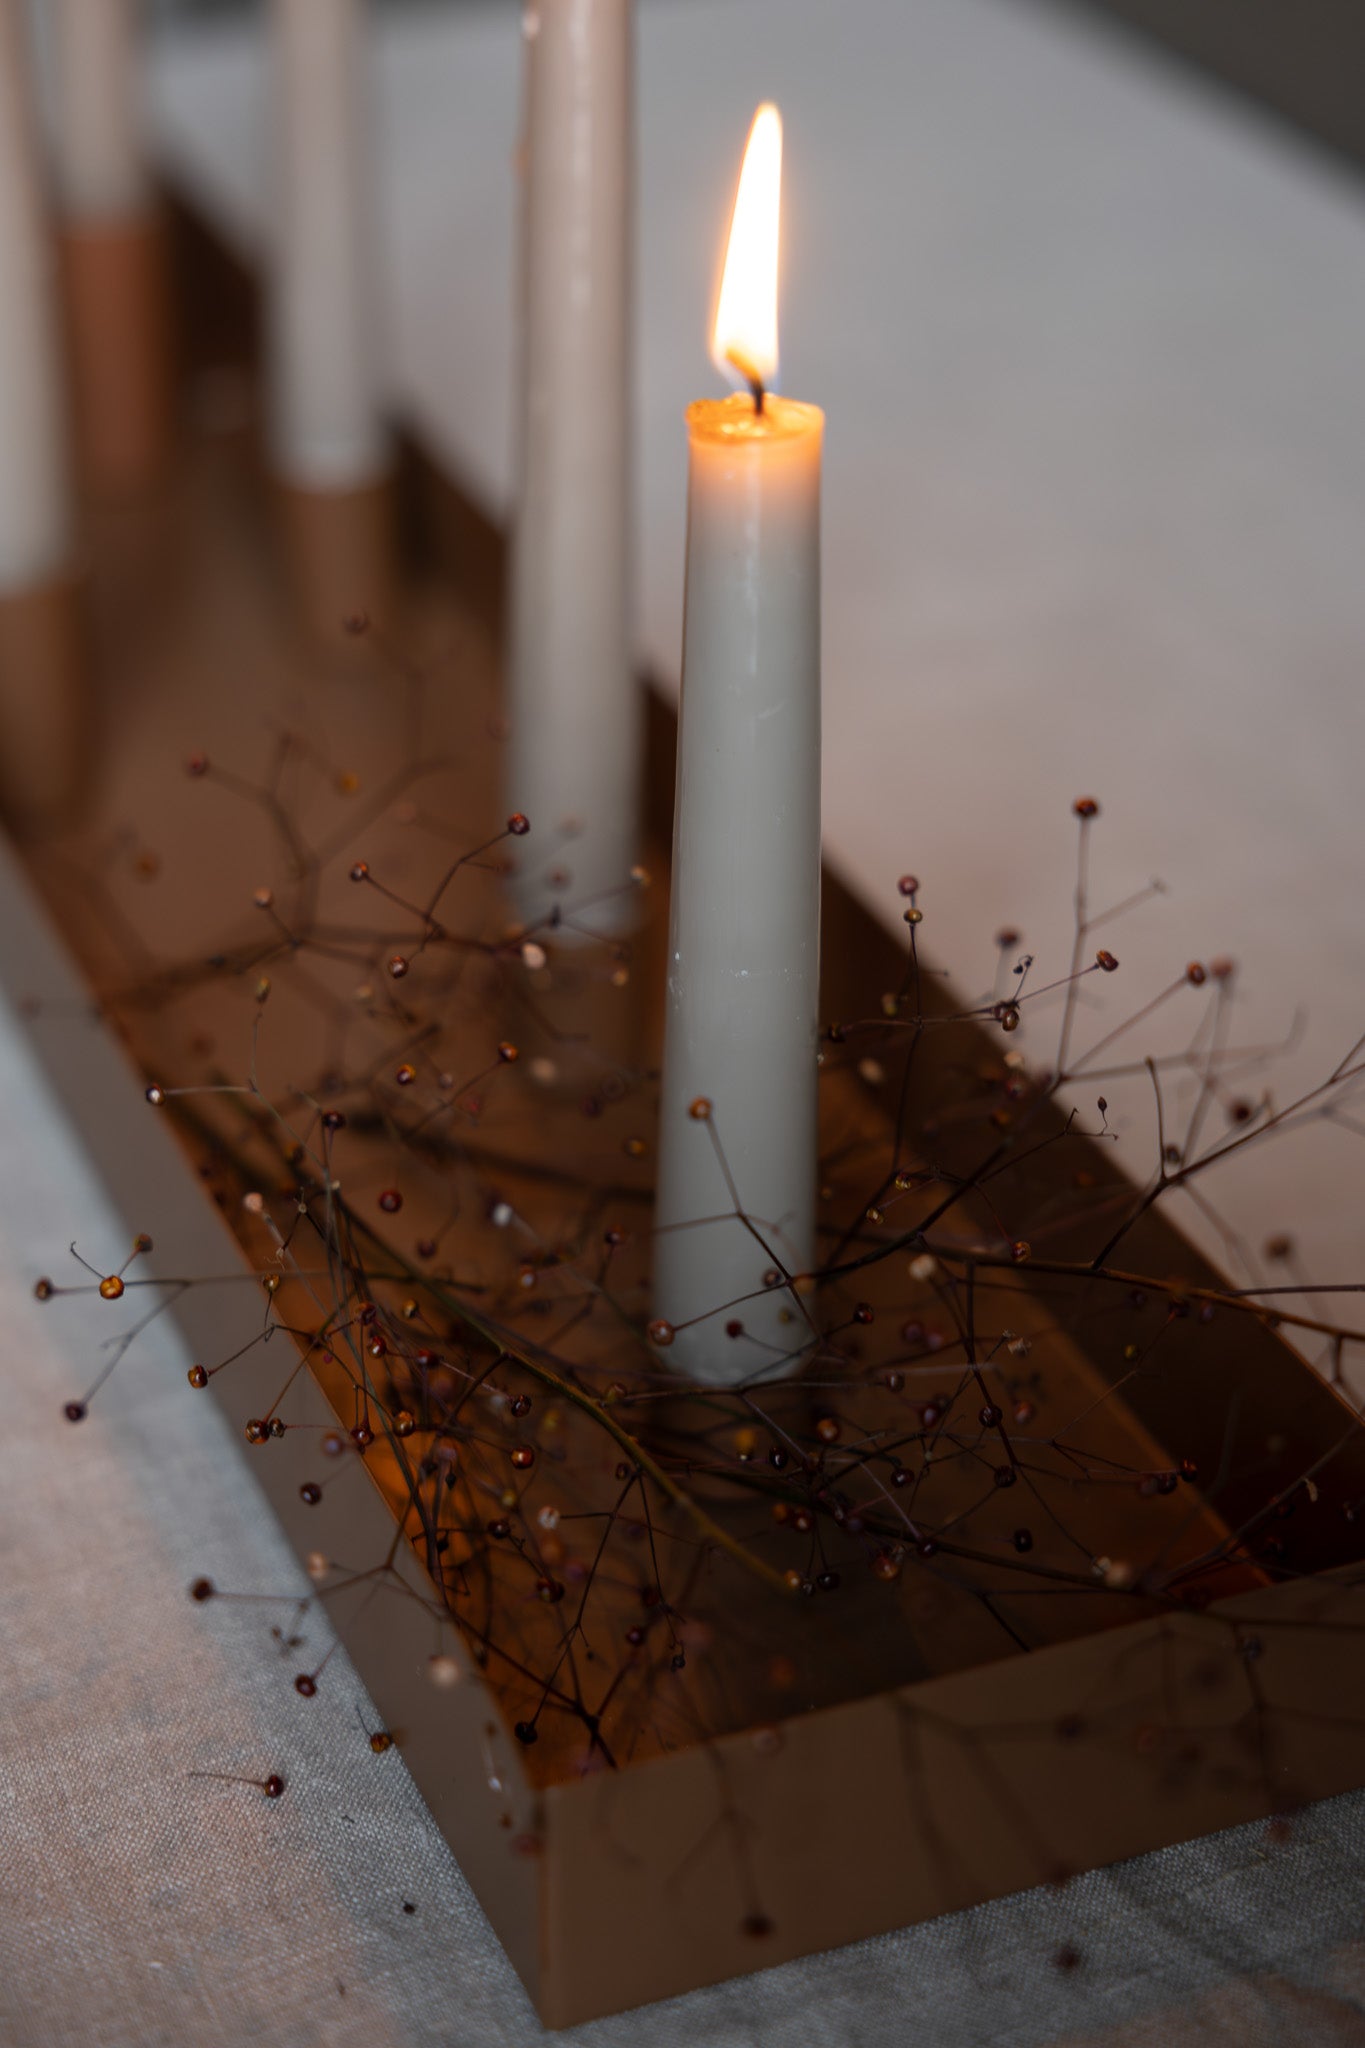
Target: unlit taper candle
575,709
44,710
112,247
738,1112
35,499
327,430
100,157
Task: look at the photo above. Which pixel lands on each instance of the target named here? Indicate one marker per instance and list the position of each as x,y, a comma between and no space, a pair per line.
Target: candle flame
745,337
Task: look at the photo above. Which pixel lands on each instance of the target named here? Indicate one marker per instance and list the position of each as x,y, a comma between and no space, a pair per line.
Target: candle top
734,420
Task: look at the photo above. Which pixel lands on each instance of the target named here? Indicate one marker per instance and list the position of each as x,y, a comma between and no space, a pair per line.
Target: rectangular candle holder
827,1767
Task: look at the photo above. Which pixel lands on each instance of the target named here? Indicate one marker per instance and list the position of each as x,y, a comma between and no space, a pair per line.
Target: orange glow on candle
745,337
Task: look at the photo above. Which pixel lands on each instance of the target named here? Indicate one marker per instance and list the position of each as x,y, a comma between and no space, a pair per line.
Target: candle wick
751,378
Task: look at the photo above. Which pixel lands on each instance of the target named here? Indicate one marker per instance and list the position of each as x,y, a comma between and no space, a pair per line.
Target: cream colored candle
35,500
45,723
327,431
575,707
100,161
738,1105
111,240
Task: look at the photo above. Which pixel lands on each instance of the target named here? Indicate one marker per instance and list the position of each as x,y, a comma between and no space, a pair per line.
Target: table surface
1089,339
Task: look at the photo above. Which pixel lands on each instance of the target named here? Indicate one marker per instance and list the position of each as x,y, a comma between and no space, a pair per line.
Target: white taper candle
327,431
97,113
738,1144
744,933
575,708
35,498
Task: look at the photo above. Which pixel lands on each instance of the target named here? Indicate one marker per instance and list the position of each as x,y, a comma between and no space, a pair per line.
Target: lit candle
738,1106
42,721
327,428
574,704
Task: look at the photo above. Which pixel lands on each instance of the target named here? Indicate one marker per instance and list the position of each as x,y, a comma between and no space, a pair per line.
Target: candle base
46,722
118,323
338,557
737,1325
